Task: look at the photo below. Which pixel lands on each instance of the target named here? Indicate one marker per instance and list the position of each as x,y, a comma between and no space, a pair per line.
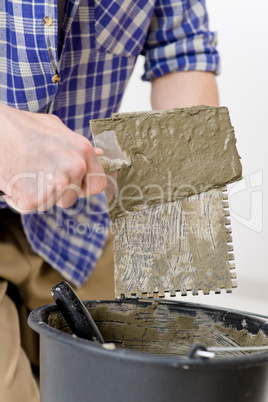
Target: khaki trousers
25,283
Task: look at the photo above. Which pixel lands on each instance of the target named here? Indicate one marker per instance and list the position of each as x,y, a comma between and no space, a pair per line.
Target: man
62,65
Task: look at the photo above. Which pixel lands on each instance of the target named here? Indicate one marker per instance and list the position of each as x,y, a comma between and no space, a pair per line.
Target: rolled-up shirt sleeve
179,39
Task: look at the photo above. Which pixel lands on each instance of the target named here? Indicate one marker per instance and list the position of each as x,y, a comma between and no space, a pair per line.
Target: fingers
57,167
92,181
111,186
69,195
15,207
27,195
83,177
98,151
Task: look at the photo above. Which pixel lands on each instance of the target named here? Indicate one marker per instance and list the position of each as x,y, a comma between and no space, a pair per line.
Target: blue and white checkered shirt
94,56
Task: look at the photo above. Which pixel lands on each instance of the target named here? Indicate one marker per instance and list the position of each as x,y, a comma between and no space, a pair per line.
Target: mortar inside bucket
149,361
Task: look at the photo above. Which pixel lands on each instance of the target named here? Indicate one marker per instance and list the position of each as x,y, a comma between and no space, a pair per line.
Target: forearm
184,89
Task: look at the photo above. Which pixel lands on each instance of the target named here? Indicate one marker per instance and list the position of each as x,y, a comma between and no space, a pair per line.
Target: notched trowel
170,210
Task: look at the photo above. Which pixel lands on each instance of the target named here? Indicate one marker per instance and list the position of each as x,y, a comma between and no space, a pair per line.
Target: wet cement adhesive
174,154
170,217
159,330
172,247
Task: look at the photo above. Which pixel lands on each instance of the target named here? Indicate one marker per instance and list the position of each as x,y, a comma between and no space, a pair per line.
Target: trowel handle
112,165
75,312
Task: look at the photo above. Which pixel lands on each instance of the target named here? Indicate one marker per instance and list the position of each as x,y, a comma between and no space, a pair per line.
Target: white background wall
242,27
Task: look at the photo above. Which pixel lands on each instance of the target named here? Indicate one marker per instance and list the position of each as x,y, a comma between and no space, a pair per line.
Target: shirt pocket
121,26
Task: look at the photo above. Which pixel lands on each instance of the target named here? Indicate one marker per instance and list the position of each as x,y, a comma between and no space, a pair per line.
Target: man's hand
43,163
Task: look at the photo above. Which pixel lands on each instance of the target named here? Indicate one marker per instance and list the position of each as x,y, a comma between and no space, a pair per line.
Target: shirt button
56,78
47,21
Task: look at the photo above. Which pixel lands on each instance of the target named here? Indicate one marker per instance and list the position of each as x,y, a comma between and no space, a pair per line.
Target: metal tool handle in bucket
210,352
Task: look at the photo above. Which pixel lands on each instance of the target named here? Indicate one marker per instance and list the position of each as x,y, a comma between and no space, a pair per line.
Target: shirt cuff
197,53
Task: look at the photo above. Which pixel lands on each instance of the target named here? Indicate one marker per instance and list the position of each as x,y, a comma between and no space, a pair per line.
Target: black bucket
145,357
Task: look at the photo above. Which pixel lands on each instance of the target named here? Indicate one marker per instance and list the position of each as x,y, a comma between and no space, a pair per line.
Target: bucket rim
37,323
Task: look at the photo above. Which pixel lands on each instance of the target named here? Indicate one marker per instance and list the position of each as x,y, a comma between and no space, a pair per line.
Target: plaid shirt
94,56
